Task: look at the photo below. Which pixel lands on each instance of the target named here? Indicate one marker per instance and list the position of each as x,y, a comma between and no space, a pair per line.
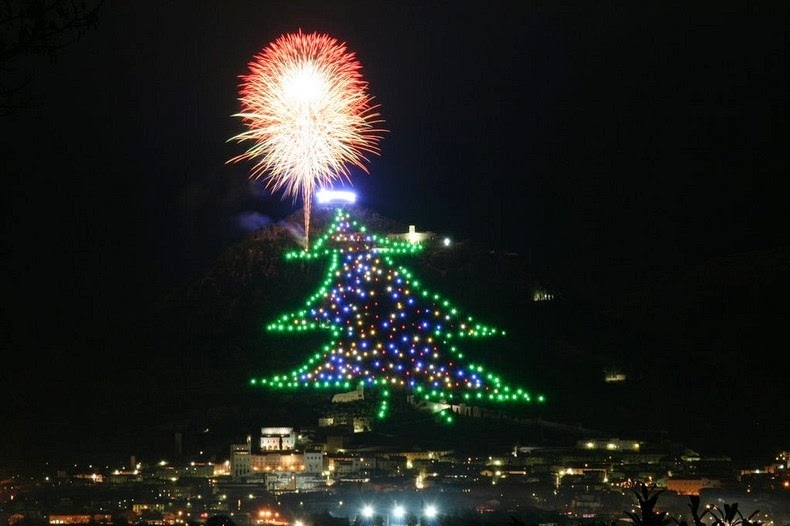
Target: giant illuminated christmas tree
385,331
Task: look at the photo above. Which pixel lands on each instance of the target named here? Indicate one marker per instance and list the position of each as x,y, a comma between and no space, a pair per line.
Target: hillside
677,334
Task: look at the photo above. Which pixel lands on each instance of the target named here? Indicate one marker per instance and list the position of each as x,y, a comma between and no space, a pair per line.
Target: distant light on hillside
614,375
542,295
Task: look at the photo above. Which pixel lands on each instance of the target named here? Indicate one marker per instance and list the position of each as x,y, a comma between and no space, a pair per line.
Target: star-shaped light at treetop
386,330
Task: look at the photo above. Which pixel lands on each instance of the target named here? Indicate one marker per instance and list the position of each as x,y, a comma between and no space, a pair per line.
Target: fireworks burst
308,115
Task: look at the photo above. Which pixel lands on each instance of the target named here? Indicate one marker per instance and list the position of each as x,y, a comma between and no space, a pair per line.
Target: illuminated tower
384,330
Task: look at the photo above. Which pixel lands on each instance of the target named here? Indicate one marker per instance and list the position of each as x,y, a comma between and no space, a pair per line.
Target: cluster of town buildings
283,477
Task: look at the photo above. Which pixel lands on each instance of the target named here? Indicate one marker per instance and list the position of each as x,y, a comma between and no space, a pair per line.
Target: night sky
571,133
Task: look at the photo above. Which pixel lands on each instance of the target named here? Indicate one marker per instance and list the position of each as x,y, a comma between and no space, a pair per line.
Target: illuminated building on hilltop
277,438
277,468
412,236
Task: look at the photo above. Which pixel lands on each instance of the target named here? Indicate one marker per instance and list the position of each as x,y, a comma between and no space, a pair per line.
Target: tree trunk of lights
308,198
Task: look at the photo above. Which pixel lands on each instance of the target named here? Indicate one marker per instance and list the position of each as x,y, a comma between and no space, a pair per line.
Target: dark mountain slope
694,343
204,341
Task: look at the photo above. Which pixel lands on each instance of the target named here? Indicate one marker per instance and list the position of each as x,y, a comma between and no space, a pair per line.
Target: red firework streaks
308,115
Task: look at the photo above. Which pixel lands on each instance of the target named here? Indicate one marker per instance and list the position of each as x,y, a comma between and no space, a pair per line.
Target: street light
398,512
368,513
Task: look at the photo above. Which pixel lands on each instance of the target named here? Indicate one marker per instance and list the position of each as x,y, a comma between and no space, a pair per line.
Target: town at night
393,264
